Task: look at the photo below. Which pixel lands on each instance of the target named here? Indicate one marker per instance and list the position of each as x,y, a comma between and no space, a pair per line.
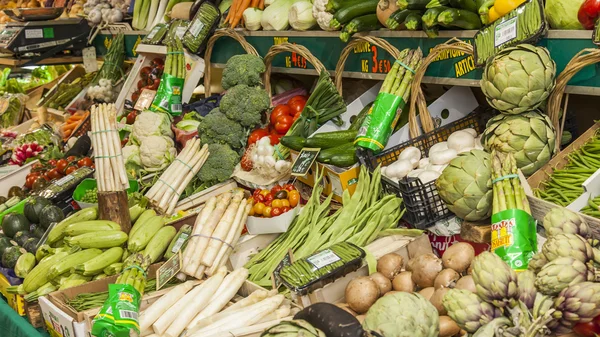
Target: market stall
299,168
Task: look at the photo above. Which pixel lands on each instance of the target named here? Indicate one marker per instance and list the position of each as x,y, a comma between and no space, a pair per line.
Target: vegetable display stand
209,48
113,206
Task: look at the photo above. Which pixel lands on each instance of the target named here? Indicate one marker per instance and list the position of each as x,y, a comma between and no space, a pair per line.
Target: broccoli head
243,69
245,104
219,165
215,127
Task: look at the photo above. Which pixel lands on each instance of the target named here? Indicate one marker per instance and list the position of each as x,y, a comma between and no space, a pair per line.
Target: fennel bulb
275,17
252,18
300,16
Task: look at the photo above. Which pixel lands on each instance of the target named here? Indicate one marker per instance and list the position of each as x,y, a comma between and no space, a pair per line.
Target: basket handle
417,99
209,48
381,43
584,58
288,47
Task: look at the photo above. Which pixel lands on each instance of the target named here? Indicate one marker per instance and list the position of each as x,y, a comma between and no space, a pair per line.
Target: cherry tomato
267,212
71,169
280,110
37,166
61,165
294,198
251,213
297,104
276,211
588,329
30,180
131,117
34,174
260,198
259,208
264,193
268,203
283,124
289,187
285,203
85,162
285,209
52,162
251,200
255,193
71,159
256,135
276,189
269,197
277,203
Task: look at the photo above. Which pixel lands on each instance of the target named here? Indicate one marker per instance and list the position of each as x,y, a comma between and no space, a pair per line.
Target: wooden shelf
14,62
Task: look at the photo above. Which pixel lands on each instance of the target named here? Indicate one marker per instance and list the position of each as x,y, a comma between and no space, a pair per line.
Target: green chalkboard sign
304,161
169,269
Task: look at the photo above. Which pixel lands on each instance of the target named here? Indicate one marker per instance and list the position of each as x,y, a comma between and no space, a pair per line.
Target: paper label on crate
180,241
145,99
64,180
323,258
304,161
168,270
34,33
505,32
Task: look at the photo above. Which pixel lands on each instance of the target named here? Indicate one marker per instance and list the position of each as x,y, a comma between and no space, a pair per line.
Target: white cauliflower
323,18
150,123
157,152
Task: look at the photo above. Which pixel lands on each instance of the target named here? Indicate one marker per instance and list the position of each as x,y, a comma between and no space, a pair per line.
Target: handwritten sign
168,270
304,161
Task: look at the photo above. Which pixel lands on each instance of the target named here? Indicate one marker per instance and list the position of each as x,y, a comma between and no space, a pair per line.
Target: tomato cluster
589,329
149,77
280,121
274,202
55,169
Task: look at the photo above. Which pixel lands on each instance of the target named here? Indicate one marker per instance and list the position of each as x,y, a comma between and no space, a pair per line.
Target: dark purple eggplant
195,7
333,321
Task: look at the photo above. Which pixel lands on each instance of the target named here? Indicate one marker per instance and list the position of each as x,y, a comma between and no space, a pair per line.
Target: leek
151,14
275,17
160,13
301,17
252,18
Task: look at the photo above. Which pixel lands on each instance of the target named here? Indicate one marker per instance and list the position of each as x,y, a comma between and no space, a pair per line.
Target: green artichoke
568,245
466,187
403,315
527,291
542,305
529,136
519,79
468,310
495,281
561,273
578,303
297,327
537,262
561,220
493,328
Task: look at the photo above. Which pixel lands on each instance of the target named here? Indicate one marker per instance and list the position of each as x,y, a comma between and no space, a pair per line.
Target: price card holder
168,270
525,24
304,161
89,59
287,260
145,99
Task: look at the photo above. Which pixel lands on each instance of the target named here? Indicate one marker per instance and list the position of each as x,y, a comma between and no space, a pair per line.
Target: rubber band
175,53
103,131
212,238
115,156
169,186
135,266
510,176
186,164
279,155
405,66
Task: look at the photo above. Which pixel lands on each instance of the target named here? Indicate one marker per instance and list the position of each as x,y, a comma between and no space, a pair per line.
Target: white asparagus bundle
194,238
162,324
158,308
110,175
201,197
250,330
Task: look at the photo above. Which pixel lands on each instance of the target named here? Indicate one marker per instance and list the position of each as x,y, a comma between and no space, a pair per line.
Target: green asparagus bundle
168,96
134,272
508,192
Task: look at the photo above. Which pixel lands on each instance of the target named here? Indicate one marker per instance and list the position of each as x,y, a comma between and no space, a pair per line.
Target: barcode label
196,28
505,32
179,243
164,104
128,314
153,32
323,258
179,31
176,107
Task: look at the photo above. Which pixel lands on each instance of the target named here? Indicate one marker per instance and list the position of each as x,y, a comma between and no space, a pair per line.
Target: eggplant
195,7
333,321
81,147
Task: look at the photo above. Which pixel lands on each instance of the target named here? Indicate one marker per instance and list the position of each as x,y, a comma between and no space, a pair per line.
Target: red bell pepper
588,13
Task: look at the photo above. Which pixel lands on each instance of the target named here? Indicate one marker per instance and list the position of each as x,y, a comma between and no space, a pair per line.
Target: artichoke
493,328
297,327
529,136
537,262
518,79
527,291
468,310
561,220
466,187
561,273
568,245
542,305
578,303
403,315
495,281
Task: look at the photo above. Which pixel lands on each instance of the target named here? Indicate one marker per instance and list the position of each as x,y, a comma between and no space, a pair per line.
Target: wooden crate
34,314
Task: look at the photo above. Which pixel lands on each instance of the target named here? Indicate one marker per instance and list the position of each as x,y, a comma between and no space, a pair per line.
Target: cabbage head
157,152
562,14
133,161
150,124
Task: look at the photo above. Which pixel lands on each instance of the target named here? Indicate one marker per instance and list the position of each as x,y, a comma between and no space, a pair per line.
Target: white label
196,28
179,243
323,258
505,32
34,33
153,32
64,180
89,59
179,31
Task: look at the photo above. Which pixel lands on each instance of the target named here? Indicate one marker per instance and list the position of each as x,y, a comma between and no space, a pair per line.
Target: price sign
304,161
168,270
145,99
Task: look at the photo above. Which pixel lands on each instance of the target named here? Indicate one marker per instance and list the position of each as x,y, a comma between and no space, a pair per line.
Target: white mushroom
442,146
460,140
399,169
442,157
423,163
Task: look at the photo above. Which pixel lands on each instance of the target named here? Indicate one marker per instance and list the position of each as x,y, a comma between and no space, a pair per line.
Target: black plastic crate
424,206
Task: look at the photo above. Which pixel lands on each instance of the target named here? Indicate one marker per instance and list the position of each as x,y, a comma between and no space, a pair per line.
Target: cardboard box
58,323
407,247
278,224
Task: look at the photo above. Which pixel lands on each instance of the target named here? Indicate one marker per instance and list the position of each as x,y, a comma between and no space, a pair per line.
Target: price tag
505,32
179,31
145,99
168,270
323,258
304,161
89,59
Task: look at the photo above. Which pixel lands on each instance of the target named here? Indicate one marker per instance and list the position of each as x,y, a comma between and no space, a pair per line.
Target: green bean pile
528,24
564,185
593,208
302,272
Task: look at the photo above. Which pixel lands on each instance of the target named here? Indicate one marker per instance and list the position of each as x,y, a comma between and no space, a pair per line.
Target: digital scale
44,38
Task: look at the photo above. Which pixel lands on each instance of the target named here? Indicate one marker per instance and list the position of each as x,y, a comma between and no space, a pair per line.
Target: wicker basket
381,43
292,48
209,48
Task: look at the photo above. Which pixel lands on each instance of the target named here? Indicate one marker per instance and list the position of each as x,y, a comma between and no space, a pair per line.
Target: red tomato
283,124
61,165
275,138
53,174
260,198
269,197
289,187
71,169
285,209
276,189
280,110
37,166
297,103
30,180
85,162
255,193
268,204
131,117
52,162
71,159
297,115
276,211
256,135
588,329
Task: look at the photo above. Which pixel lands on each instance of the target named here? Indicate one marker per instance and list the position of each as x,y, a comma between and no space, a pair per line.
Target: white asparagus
158,308
199,302
283,311
93,139
190,249
114,135
180,181
255,297
227,290
207,229
179,167
112,159
254,329
199,274
201,197
169,171
169,175
113,150
232,237
162,324
221,230
189,178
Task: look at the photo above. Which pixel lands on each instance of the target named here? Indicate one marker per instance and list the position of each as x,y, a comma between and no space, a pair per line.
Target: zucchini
396,20
91,226
97,264
328,140
24,265
460,18
73,281
293,142
363,23
358,120
347,13
437,3
413,4
139,240
57,231
159,243
413,22
326,155
179,241
431,15
469,5
334,5
65,264
105,239
139,223
113,269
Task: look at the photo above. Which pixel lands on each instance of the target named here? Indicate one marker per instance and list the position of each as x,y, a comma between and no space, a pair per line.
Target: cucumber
293,142
327,140
344,159
460,18
351,11
358,120
413,4
363,23
326,155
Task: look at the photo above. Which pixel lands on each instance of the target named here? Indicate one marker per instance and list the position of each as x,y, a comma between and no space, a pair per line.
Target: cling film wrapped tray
317,270
201,27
